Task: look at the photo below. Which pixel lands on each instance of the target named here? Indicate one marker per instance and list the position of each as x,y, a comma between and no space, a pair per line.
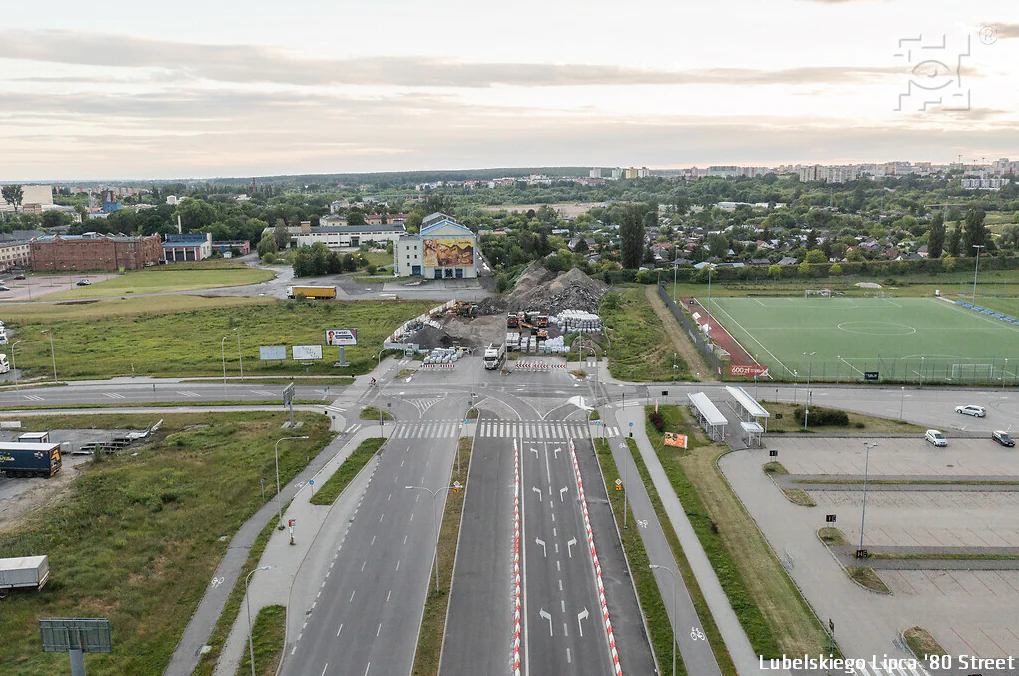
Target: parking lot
972,612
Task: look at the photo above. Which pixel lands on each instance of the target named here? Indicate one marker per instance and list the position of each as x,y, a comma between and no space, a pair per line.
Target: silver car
971,409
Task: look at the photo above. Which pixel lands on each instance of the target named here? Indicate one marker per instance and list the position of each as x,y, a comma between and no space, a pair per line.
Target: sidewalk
735,638
281,585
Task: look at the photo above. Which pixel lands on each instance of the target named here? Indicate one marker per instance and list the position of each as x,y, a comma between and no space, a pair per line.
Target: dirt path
695,363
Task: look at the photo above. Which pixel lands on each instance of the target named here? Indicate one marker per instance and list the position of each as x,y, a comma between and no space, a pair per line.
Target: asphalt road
367,618
130,391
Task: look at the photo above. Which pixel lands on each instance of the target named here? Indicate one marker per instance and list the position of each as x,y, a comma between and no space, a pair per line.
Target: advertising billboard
673,439
448,252
749,371
341,337
272,352
302,352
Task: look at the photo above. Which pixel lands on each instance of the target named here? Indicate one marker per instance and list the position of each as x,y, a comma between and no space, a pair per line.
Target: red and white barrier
616,666
437,366
537,366
516,559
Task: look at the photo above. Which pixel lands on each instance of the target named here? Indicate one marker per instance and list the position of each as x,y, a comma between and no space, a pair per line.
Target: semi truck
28,460
494,356
24,571
311,291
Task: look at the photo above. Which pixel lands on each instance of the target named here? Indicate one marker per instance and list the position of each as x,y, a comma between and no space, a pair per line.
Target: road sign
456,486
597,423
862,553
870,375
631,424
829,518
288,395
86,635
665,393
619,482
291,522
773,453
311,482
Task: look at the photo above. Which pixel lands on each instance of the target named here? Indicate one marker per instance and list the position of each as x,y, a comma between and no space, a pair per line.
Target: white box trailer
24,571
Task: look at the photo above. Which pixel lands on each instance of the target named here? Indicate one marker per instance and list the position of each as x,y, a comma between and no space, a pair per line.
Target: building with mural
443,249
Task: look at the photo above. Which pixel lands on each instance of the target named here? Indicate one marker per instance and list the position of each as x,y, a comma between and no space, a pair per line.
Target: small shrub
657,420
828,417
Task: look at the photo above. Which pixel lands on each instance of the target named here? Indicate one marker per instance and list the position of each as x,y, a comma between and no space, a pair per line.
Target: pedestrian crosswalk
536,430
871,669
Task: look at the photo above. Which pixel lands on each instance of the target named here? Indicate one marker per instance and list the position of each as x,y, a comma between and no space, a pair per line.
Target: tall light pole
240,357
222,349
247,598
976,269
866,472
806,409
53,354
675,617
14,365
435,553
902,398
674,268
279,504
710,268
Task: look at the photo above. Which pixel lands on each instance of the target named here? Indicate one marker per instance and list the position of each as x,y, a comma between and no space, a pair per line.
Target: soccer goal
972,372
817,293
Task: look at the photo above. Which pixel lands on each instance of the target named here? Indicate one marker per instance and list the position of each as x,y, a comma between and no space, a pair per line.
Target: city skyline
394,87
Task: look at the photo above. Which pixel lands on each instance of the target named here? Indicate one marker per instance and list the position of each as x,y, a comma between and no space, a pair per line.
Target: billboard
673,439
307,352
448,252
272,352
749,371
341,337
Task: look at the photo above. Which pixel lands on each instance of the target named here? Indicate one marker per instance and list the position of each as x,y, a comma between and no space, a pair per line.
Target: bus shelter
708,415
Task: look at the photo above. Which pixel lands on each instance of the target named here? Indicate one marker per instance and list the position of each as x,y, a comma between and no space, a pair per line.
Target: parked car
1002,438
936,438
84,282
3,288
971,409
19,276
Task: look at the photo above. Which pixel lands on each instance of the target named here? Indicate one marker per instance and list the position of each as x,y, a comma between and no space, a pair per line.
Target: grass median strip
922,643
797,496
866,577
768,605
345,473
267,634
651,602
433,620
373,413
858,423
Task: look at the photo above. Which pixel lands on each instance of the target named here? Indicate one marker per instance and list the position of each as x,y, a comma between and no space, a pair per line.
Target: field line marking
851,366
759,303
888,300
751,338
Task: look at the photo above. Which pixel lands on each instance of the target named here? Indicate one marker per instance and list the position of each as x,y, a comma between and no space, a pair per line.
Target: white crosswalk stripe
113,395
353,428
872,670
33,397
188,393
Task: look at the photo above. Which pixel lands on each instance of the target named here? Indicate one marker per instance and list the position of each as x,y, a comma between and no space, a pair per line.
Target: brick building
93,251
15,255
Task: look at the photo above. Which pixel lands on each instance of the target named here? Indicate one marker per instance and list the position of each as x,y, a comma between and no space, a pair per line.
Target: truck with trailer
494,356
311,291
23,572
22,459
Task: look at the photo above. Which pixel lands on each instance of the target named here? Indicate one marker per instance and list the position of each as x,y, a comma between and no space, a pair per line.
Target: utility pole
976,270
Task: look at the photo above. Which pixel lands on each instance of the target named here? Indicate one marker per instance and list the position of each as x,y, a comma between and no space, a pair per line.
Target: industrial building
196,246
444,249
93,251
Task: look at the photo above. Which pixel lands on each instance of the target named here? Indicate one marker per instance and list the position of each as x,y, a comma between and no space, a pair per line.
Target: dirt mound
534,275
537,289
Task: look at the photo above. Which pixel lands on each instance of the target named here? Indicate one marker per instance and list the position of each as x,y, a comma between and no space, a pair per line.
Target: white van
4,364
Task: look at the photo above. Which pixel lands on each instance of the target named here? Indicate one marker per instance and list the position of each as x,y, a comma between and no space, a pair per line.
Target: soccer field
914,340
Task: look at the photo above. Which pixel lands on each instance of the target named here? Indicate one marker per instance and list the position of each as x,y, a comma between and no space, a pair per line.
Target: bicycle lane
696,652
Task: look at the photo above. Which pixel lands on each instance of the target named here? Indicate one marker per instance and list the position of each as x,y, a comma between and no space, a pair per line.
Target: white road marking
568,660
324,669
373,538
351,596
569,546
389,595
541,542
546,616
113,395
363,565
379,630
562,604
381,518
560,585
366,669
340,629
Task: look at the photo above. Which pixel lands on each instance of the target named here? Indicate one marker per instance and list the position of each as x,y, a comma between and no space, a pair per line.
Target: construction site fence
702,344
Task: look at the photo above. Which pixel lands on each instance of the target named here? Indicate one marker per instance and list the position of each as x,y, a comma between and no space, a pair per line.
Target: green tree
581,246
195,214
13,195
835,270
718,245
954,241
804,269
775,271
936,238
1010,236
53,219
267,244
815,256
948,263
355,217
631,234
974,232
282,236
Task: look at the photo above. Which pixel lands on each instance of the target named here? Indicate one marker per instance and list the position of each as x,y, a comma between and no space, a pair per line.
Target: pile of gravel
537,289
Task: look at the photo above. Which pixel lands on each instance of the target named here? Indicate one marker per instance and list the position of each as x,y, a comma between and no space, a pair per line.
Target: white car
971,409
936,437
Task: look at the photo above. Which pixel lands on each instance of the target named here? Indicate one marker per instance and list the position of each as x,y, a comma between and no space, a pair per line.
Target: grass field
136,538
163,279
637,346
914,340
267,632
190,342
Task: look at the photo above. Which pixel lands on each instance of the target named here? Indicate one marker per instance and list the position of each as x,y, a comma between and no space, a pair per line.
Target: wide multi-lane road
366,618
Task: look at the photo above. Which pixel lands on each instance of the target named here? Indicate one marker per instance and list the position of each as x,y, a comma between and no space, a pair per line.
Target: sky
130,90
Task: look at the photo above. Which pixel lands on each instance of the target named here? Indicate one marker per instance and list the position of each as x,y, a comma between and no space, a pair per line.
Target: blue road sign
597,423
311,482
631,424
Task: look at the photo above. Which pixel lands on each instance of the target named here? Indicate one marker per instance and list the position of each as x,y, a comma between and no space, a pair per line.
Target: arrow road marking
535,489
556,452
546,616
542,543
582,615
562,492
569,546
535,451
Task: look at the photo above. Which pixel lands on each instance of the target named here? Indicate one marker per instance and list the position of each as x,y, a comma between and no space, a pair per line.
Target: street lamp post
710,269
902,398
53,354
435,553
806,409
14,365
675,617
247,597
794,385
674,269
240,357
279,504
222,349
976,269
866,472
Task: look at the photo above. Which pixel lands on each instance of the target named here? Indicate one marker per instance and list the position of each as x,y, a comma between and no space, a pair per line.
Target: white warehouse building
443,249
346,236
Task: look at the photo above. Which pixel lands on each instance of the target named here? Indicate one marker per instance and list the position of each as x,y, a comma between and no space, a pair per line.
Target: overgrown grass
136,538
922,643
126,306
594,415
345,473
638,349
651,602
866,577
163,279
768,605
373,413
433,621
858,423
267,634
190,342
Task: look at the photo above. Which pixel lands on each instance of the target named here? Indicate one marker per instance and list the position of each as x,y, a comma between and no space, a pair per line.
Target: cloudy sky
195,89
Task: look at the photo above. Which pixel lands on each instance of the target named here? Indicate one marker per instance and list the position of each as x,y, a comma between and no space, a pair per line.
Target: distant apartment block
35,198
984,183
93,251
